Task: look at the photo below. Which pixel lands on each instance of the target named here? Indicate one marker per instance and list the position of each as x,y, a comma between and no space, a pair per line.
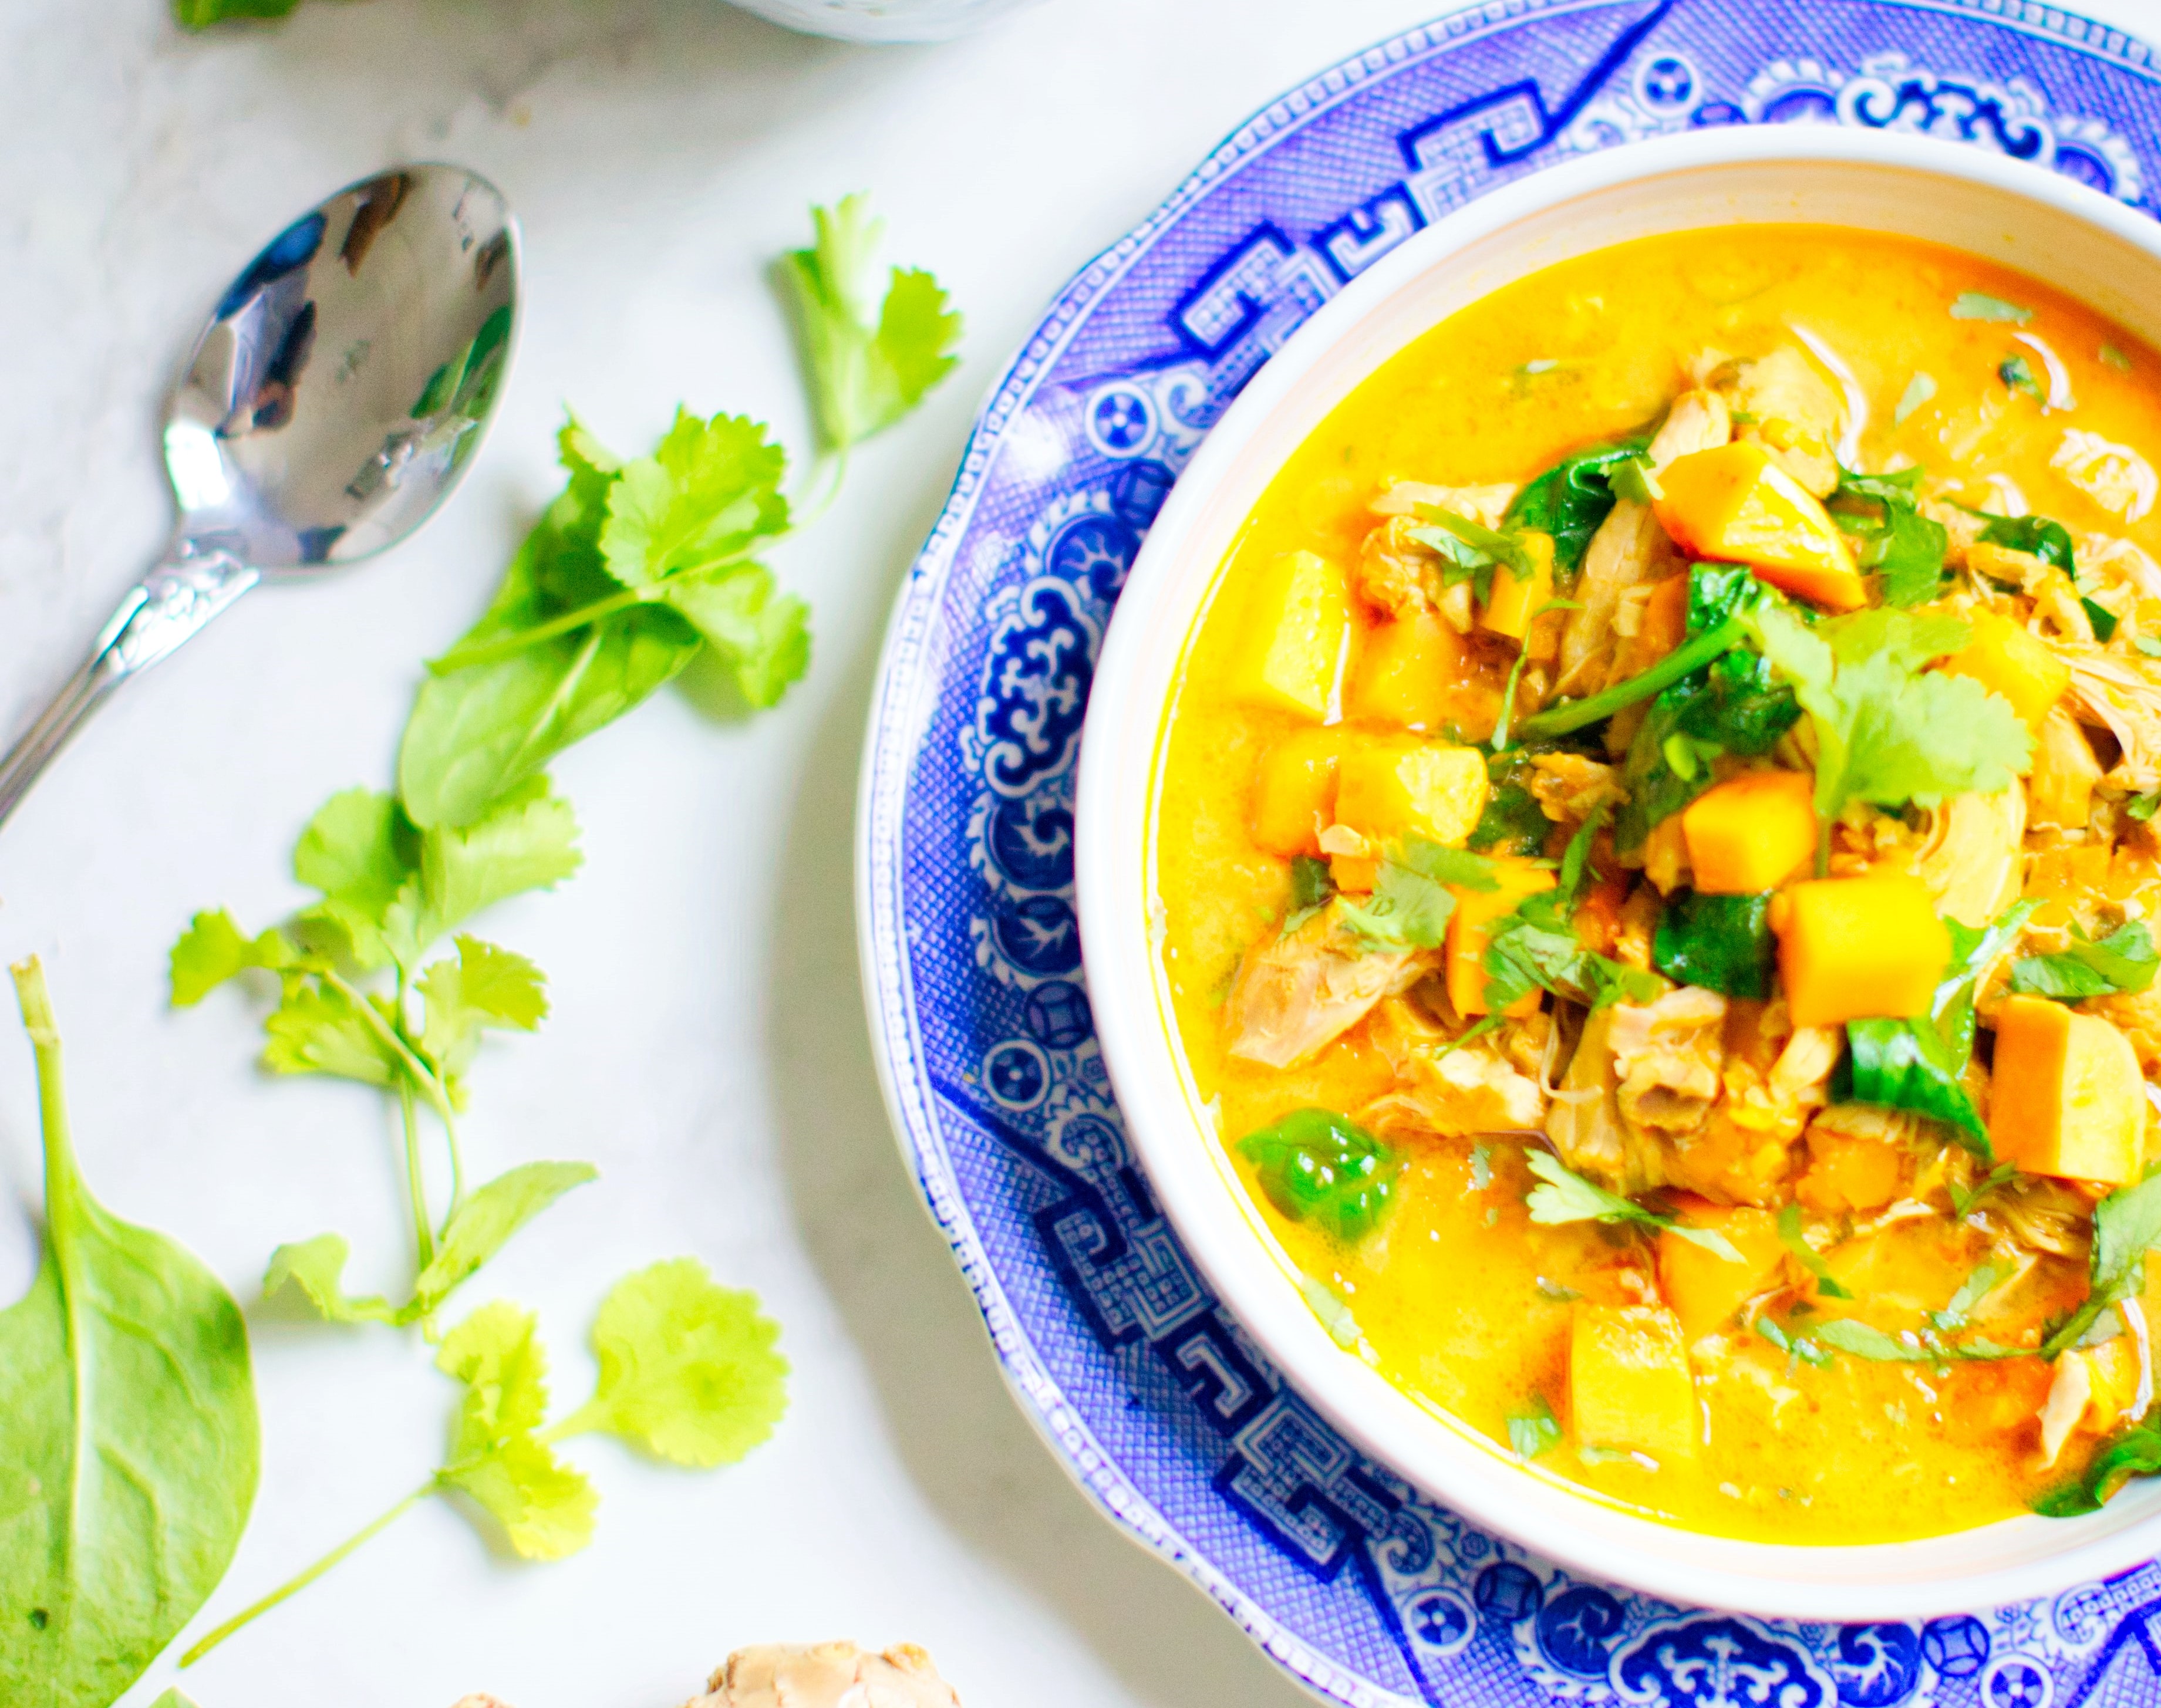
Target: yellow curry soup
1727,1083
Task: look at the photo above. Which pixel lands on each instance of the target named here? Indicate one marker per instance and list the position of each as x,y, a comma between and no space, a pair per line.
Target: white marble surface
707,1047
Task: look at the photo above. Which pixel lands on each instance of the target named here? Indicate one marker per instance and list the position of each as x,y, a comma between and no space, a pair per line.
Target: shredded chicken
1296,993
1584,1122
1569,787
1974,857
1667,1056
2045,1216
1631,548
2123,696
1961,529
826,1675
1441,1088
2115,477
2061,785
1798,413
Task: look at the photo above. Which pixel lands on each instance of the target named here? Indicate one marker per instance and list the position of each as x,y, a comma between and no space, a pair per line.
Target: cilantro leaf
317,1268
2123,961
1905,549
1311,886
1533,1430
320,1028
1811,1259
1886,732
483,1224
865,377
1919,390
1979,306
1536,947
689,1368
1568,1197
1319,1166
708,493
485,988
2134,1450
1976,1286
761,638
1472,550
1513,823
200,14
1411,903
2016,374
526,840
545,1506
2127,1225
212,950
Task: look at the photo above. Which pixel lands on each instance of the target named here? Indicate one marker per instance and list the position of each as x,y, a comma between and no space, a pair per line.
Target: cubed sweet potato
1734,503
1290,652
1751,832
2066,1097
2002,656
1850,948
1474,910
1704,1289
1630,1389
1517,599
1295,791
1406,668
1388,787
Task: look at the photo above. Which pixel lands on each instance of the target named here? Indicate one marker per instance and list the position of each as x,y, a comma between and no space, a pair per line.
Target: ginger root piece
826,1675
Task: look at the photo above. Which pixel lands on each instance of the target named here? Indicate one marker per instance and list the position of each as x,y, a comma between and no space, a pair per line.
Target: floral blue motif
1169,1412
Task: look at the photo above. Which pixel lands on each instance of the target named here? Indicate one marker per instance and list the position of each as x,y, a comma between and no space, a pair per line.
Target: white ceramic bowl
2098,250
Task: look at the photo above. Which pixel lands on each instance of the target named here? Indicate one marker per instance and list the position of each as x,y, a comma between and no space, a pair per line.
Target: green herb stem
294,1586
464,657
423,1230
37,1005
1691,655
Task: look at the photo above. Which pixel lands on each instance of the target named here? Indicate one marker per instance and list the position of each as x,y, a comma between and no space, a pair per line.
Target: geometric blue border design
1152,1394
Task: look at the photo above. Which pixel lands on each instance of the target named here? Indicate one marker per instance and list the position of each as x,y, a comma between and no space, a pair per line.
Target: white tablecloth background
707,1047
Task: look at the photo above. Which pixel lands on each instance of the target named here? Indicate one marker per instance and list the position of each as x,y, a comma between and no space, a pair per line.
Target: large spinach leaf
128,1445
1570,500
1721,942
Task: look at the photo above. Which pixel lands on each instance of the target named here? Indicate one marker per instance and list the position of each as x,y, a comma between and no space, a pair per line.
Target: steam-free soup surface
1858,1333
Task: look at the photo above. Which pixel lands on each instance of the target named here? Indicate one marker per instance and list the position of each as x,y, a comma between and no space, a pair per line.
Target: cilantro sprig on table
633,570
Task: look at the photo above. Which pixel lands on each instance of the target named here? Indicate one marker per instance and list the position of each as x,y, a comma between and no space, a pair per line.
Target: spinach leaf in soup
2047,539
1723,943
1731,705
1320,1167
1513,823
1570,500
2124,961
128,1439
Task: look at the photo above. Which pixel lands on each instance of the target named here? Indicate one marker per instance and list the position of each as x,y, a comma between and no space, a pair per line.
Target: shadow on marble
956,1429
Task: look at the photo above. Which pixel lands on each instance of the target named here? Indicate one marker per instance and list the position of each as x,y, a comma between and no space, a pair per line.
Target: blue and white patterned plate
1160,1404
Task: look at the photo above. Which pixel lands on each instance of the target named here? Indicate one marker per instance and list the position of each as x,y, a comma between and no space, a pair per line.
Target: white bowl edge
2092,249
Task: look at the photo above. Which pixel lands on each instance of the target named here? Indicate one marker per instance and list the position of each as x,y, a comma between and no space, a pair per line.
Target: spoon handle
178,597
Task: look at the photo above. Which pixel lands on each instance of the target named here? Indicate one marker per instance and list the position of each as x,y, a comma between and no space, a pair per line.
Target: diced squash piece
1516,600
1900,1270
1850,948
1296,626
2004,657
1629,1389
1704,1289
1847,1171
1474,910
1295,791
2066,1097
1388,787
1734,503
1751,832
1357,873
1405,671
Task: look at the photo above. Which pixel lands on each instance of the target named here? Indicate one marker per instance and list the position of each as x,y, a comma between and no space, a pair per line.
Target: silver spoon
336,398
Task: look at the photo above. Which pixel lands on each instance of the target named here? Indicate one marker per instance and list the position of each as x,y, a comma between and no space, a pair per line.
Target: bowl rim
1118,913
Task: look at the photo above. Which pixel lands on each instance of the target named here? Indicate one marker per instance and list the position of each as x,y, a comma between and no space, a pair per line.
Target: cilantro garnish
1411,903
1919,390
1534,1429
1811,1259
2134,1450
1570,500
1904,548
866,375
1469,550
1979,306
688,1373
1568,1197
1887,732
2123,961
2018,374
1311,886
2127,1225
1536,947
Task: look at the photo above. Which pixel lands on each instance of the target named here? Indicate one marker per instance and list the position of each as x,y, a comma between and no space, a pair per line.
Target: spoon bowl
332,403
